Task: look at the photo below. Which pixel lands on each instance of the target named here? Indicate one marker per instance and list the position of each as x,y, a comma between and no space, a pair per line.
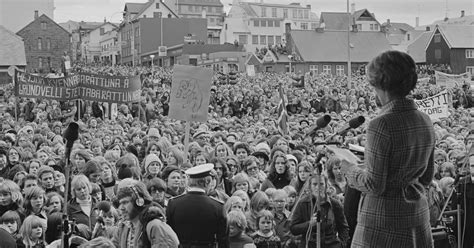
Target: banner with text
436,106
452,80
101,88
190,93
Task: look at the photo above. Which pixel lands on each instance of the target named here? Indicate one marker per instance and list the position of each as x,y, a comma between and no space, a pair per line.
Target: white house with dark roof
362,20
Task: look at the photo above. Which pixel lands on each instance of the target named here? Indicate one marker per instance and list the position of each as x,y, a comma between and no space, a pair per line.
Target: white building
90,46
110,48
257,25
15,14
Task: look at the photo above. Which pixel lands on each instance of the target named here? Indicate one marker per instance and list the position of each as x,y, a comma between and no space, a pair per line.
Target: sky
397,10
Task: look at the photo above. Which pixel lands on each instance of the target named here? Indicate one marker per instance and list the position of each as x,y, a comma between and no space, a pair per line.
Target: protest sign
436,106
190,92
451,80
101,88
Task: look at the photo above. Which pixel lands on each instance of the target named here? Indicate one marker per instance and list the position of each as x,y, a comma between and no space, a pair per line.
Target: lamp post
152,57
290,57
349,70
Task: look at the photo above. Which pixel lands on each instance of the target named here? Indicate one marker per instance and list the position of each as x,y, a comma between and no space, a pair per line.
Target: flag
282,120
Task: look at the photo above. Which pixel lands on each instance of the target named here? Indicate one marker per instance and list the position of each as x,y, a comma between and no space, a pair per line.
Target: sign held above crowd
452,80
436,106
92,87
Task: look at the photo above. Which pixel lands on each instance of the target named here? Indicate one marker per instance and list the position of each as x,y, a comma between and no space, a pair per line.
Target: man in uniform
198,219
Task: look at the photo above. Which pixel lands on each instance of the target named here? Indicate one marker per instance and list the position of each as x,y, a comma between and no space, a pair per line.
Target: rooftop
12,48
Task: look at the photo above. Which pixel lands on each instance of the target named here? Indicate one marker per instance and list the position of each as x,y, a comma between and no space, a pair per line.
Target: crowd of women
260,175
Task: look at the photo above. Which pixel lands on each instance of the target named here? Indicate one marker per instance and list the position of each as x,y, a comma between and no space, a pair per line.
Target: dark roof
201,3
12,48
340,20
458,36
145,6
194,49
248,9
417,49
44,16
331,46
133,7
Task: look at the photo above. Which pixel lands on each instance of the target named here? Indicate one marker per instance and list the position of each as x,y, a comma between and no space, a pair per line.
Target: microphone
70,135
353,123
321,122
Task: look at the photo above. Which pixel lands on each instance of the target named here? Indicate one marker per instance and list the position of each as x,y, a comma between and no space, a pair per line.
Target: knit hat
150,158
153,132
262,150
167,171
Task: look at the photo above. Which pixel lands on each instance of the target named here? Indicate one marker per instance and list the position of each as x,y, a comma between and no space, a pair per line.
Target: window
371,26
277,24
255,39
285,13
210,9
314,25
264,12
408,37
278,39
469,53
256,23
306,14
157,5
157,14
102,31
40,44
359,27
204,8
470,69
339,70
437,53
43,25
48,44
304,25
197,8
40,62
263,23
376,27
327,69
437,38
270,40
263,40
137,32
242,39
49,61
211,20
295,13
300,13
190,8
313,69
274,12
270,23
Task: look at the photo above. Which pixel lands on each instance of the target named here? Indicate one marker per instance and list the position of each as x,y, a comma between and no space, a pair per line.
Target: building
219,57
360,20
417,48
78,32
45,42
325,51
91,48
110,48
452,45
150,9
212,10
147,37
258,24
12,53
397,33
15,14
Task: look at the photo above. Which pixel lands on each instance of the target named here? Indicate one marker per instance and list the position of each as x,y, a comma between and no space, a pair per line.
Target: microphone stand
318,207
66,230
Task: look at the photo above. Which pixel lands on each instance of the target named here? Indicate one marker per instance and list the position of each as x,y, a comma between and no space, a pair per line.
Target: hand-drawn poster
190,92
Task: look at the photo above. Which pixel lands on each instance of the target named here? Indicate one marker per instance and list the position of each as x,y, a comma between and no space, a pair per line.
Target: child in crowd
54,202
111,221
234,203
269,192
265,237
96,192
244,197
281,214
258,203
11,222
292,195
237,224
32,233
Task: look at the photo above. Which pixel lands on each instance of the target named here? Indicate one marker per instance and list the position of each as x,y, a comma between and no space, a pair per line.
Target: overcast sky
397,10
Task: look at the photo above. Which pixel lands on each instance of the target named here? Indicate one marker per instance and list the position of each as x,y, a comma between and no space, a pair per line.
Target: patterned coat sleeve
378,150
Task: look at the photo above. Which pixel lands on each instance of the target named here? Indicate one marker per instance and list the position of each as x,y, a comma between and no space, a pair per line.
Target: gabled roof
200,2
340,20
397,27
331,46
146,5
194,49
133,8
248,9
417,49
12,48
105,23
457,36
44,16
253,60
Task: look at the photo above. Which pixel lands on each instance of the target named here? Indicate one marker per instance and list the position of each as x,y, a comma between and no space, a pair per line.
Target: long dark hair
272,174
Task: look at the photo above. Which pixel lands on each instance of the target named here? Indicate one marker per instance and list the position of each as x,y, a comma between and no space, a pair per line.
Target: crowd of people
132,155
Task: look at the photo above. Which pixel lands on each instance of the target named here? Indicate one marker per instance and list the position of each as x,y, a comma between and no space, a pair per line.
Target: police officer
198,219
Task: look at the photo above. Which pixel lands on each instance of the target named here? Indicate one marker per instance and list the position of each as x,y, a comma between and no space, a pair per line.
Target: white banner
436,106
451,80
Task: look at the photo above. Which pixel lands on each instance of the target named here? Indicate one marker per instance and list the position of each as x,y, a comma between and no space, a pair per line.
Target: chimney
36,14
417,21
105,20
287,37
428,28
353,8
388,21
462,13
308,6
